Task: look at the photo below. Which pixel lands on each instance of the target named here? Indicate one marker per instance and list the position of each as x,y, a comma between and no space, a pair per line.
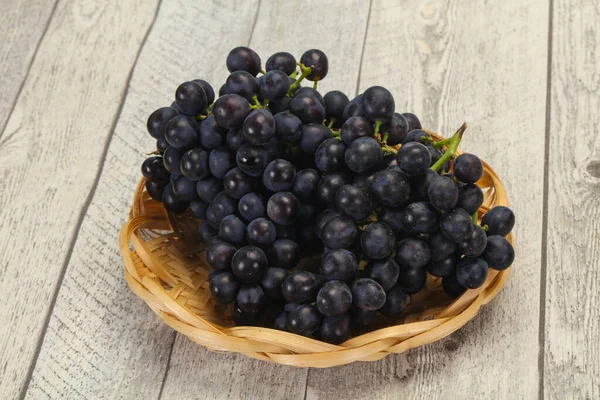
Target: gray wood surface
572,298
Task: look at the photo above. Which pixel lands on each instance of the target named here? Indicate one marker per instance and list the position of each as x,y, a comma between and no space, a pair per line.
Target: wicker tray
165,266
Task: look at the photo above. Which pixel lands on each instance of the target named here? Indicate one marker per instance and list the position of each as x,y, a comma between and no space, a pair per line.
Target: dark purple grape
191,98
468,168
470,198
377,240
272,282
211,134
206,232
238,183
419,184
361,319
329,156
335,103
182,132
259,126
303,320
499,253
156,189
364,180
232,229
222,206
224,287
162,145
281,322
334,298
158,120
412,253
312,136
335,330
310,92
274,85
339,233
444,267
441,247
284,253
261,231
279,175
329,186
235,139
242,83
411,280
413,121
173,203
252,159
456,225
443,193
251,298
301,287
354,201
282,61
219,255
153,169
500,220
395,302
421,217
231,110
208,89
288,127
306,185
363,154
242,318
354,128
385,272
378,104
220,161
354,108
243,59
208,188
194,164
251,206
391,187
323,218
283,208
471,273
172,160
198,208
317,60
249,264
452,287
475,245
185,189
368,294
396,128
280,106
308,109
393,217
339,264
413,158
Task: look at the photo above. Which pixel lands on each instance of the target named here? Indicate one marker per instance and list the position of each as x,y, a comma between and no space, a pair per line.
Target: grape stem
452,147
485,228
305,72
262,71
331,122
376,128
315,84
336,133
386,136
389,149
475,217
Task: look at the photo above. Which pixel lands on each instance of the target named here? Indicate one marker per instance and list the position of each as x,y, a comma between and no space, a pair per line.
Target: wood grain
22,24
484,63
49,158
572,332
195,372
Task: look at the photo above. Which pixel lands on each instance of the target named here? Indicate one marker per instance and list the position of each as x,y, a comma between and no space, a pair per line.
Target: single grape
443,193
288,127
421,217
206,232
249,264
339,264
456,225
470,198
251,206
444,267
182,132
252,159
329,186
354,108
411,280
355,127
156,189
153,169
391,187
378,104
475,245
219,255
259,126
396,128
339,233
194,164
274,85
471,273
222,206
312,136
500,220
317,60
363,154
211,134
185,189
158,120
413,121
208,188
242,83
385,272
412,253
417,136
301,287
368,294
162,145
468,168
237,183
272,281
243,59
224,287
413,158
231,110
441,247
280,106
335,330
235,139
334,299
284,253
306,185
395,302
221,160
172,159
283,208
261,231
354,201
208,89
251,298
232,229
335,103
329,156
452,287
282,61
303,320
498,253
377,240
279,175
191,98
308,109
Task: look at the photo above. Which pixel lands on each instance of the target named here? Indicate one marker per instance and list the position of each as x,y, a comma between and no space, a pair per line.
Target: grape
219,255
411,279
413,158
364,180
308,109
185,189
412,253
378,104
162,144
500,220
156,189
354,128
308,91
456,225
222,206
158,120
252,159
232,229
238,183
421,217
444,267
468,168
281,321
368,294
470,198
259,127
441,247
153,169
249,264
334,299
498,253
211,134
288,127
210,92
282,61
224,288
261,231
280,106
339,264
317,60
391,187
335,330
206,232
377,240
222,91
284,253
339,233
385,272
435,154
220,161
324,217
475,245
312,136
397,129
251,206
279,175
416,136
329,156
172,159
191,98
303,320
419,184
231,110
242,318
242,83
182,132
395,302
301,287
235,139
194,164
243,59
452,287
272,281
208,188
471,273
335,102
212,219
413,121
306,184
354,108
274,85
363,154
251,298
443,193
283,208
329,186
361,319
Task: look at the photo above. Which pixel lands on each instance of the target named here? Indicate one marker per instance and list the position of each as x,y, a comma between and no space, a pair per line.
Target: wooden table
79,79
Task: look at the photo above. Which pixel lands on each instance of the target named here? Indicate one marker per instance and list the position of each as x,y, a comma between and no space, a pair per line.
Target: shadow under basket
165,266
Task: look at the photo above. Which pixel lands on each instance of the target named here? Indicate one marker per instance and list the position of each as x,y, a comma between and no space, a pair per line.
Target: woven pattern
165,266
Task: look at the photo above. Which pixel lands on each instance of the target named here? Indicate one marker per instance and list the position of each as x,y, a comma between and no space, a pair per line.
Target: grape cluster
276,173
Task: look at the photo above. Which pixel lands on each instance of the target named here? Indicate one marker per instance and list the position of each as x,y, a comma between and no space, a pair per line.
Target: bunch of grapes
278,173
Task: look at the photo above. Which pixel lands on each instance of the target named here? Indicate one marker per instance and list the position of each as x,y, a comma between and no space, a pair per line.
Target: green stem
376,128
486,228
331,122
335,132
256,102
305,72
262,71
389,149
475,217
452,147
294,74
425,139
385,138
315,84
441,143
266,104
201,117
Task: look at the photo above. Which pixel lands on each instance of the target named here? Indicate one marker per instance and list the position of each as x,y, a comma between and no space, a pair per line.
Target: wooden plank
53,148
572,330
483,62
22,24
195,372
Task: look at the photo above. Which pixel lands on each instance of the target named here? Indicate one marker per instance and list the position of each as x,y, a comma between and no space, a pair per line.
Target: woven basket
165,266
